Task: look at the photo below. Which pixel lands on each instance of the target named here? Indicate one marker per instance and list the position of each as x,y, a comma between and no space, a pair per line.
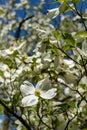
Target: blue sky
49,4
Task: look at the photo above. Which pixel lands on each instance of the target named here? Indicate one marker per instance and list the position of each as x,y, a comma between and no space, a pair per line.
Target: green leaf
16,97
1,73
83,86
54,49
10,63
45,45
56,34
1,10
64,106
64,7
82,34
68,39
66,47
1,108
71,104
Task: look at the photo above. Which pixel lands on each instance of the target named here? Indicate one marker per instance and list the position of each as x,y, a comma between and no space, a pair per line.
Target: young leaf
64,7
56,34
82,34
68,39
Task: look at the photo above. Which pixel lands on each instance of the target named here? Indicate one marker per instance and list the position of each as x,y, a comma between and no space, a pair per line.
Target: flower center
11,49
37,93
7,69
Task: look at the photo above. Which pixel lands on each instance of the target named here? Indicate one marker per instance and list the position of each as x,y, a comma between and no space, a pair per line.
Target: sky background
47,5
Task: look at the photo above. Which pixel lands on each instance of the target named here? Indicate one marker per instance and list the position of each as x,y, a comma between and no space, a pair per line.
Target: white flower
11,50
31,93
69,63
52,13
68,76
47,57
5,69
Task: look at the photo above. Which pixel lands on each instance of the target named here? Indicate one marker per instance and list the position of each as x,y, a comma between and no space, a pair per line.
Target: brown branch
80,15
17,34
69,121
68,56
15,115
83,63
40,117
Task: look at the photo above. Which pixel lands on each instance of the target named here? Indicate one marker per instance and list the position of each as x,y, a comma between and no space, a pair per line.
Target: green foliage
56,34
64,7
16,98
1,108
82,34
43,74
68,39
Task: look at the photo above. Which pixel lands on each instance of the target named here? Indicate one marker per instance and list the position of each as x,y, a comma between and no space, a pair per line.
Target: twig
69,121
68,56
40,117
80,15
83,64
15,115
17,34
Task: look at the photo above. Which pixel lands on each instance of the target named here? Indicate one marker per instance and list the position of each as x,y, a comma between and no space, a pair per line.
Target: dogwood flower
11,50
31,94
52,13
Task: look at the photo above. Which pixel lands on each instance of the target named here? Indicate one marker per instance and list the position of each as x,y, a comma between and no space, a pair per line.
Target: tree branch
15,115
80,15
69,121
17,34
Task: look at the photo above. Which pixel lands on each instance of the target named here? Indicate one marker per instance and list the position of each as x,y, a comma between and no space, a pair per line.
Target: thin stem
15,115
40,117
83,64
70,120
17,34
68,56
80,15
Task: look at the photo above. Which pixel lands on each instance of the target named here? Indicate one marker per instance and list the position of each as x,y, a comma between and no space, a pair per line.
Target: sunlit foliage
43,67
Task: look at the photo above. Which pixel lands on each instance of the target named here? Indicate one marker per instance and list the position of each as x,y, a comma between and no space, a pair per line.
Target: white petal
49,94
68,62
27,88
52,13
29,100
43,84
7,74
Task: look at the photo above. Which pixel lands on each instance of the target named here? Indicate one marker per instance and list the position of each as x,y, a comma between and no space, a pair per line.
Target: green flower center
37,93
11,49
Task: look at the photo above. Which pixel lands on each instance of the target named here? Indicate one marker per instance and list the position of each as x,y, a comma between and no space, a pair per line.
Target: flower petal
29,100
27,88
49,94
43,84
52,13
